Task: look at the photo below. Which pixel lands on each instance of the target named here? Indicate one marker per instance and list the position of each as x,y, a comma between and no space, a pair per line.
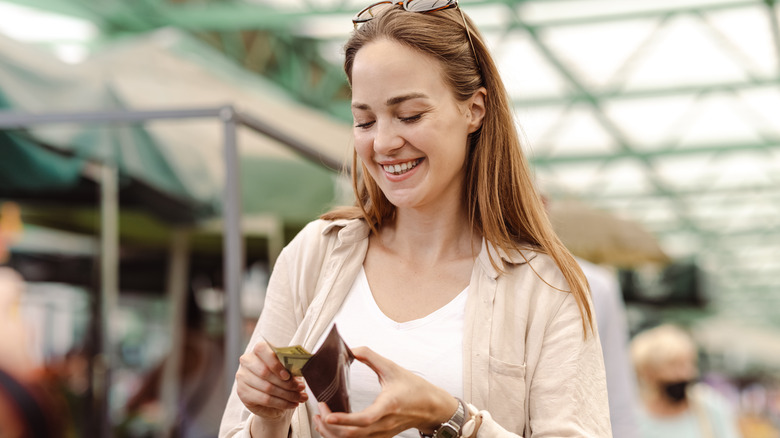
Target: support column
178,273
233,245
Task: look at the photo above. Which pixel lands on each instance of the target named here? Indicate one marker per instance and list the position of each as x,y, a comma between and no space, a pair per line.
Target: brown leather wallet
327,372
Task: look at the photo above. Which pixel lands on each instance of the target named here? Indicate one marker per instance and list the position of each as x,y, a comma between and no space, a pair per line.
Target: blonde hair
656,347
499,192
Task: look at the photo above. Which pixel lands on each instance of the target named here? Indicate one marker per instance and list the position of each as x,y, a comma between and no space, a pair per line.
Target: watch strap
455,423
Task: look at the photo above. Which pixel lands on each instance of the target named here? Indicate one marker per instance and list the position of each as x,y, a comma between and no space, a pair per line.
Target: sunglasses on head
369,12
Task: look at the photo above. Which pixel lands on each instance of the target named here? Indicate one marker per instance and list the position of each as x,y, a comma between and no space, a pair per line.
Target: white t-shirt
431,347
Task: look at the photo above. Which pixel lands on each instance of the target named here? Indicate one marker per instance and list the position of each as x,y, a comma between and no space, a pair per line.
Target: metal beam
233,246
699,192
640,15
646,93
737,55
234,16
16,120
177,288
662,151
765,235
109,284
298,146
772,11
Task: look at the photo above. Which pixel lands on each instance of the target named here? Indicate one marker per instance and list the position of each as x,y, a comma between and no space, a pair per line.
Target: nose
387,139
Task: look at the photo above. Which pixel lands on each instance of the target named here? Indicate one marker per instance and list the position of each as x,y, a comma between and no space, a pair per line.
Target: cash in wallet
326,371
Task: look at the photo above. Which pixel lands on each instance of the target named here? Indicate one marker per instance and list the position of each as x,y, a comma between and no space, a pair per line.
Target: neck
660,406
430,238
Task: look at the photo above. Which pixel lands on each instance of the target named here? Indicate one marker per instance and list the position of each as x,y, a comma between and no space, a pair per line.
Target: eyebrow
396,100
393,100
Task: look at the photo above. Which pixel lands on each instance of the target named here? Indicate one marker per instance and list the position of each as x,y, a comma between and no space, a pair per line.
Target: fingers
262,362
263,383
291,391
264,352
329,430
365,418
381,427
262,403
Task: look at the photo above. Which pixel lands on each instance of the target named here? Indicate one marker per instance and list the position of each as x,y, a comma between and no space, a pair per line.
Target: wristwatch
452,427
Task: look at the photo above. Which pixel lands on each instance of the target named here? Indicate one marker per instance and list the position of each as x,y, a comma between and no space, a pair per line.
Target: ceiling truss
271,40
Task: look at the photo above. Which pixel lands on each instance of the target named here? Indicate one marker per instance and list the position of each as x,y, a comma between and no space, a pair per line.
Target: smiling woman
466,314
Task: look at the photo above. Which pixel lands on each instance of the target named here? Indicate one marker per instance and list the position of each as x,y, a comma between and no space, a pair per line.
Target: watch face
447,431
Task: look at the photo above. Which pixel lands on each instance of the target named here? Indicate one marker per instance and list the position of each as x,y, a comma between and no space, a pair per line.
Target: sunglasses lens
427,5
372,11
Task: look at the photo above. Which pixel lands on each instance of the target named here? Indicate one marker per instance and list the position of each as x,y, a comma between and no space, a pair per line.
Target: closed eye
411,119
364,125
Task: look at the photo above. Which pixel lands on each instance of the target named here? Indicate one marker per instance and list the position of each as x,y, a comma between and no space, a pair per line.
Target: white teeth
398,169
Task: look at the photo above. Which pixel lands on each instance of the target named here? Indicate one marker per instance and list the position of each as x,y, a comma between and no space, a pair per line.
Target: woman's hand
407,401
265,387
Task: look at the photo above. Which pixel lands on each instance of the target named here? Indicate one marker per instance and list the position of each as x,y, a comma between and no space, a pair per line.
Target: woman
447,268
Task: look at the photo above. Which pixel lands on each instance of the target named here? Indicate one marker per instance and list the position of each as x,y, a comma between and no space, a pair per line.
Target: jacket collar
348,230
354,230
503,259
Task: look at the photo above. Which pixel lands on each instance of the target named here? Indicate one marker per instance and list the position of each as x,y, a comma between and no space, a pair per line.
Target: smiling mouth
402,168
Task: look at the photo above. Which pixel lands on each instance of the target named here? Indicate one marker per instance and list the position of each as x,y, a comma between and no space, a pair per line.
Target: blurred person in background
613,333
610,311
15,354
16,357
673,404
29,404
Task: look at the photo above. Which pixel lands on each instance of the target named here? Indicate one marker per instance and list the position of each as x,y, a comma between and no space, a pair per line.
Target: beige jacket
525,359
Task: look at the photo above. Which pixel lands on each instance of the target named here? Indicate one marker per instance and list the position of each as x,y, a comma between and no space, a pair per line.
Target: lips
401,168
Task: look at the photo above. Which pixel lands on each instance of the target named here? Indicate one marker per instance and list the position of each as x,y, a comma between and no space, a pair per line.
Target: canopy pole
233,245
170,384
109,286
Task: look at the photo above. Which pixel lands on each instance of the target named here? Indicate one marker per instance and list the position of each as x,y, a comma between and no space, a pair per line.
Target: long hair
499,192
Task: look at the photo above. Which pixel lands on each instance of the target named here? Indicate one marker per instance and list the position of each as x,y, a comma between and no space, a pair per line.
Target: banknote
293,358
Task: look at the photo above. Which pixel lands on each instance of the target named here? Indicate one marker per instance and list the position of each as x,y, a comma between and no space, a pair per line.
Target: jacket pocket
506,402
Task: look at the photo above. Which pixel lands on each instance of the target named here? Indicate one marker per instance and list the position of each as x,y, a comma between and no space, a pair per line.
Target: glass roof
665,112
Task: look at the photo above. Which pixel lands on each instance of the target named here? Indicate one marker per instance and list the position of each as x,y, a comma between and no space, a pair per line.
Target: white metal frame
233,244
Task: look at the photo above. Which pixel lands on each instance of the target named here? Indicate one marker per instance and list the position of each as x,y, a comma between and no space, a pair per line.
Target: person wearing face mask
673,404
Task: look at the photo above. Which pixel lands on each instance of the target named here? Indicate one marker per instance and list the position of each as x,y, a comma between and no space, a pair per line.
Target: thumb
382,366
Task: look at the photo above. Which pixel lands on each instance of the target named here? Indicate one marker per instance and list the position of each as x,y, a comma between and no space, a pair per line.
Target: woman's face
410,131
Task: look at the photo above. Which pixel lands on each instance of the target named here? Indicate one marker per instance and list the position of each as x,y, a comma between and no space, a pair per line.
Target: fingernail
285,375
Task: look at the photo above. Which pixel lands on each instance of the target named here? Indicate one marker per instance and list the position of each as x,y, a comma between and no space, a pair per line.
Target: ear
476,109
